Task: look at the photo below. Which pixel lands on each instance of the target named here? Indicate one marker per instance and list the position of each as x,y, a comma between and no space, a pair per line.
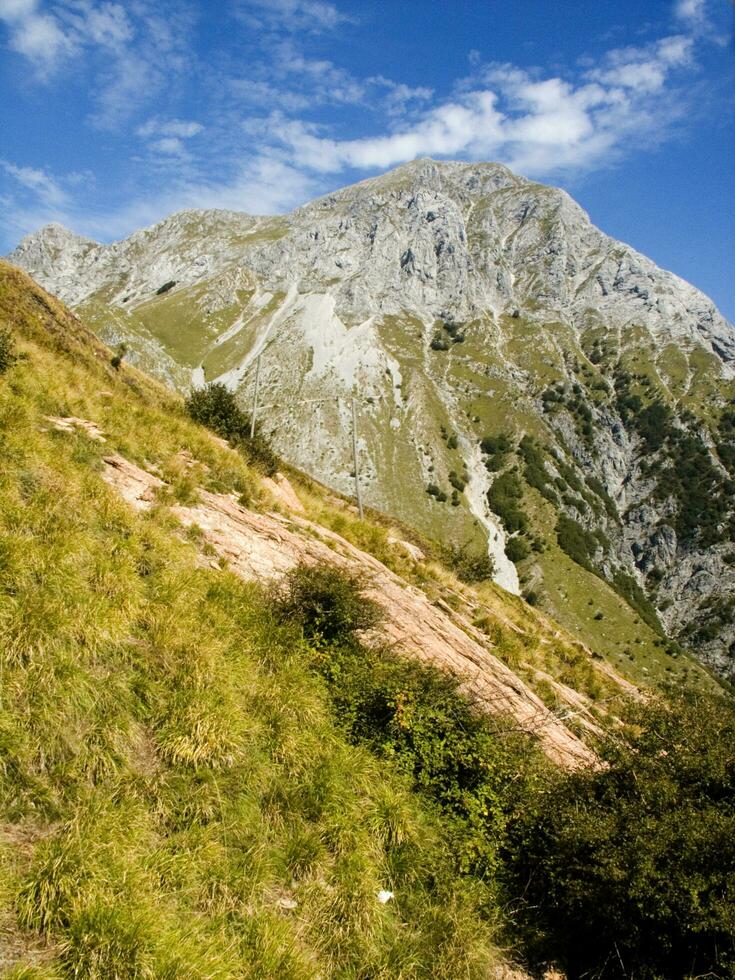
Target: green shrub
577,542
469,566
504,497
438,494
117,358
626,586
534,471
216,406
634,864
474,769
328,604
499,445
457,482
517,549
682,465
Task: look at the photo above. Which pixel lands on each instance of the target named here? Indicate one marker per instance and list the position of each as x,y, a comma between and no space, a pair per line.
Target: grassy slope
171,776
171,772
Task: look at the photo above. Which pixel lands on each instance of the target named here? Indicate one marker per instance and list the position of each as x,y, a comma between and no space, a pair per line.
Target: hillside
526,384
193,784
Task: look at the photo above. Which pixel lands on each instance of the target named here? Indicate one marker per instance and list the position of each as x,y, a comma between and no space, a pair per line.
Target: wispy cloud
130,49
179,128
693,11
36,35
263,184
168,136
292,15
539,125
44,187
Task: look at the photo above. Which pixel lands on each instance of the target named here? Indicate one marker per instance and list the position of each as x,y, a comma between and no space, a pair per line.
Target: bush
469,566
8,357
534,471
476,770
328,604
496,445
439,343
458,482
630,870
504,497
434,491
626,586
517,549
216,407
576,541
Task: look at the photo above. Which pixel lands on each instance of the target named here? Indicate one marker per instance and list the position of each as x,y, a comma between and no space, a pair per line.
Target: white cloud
255,92
105,24
399,96
292,15
265,184
35,35
645,69
322,79
129,51
179,128
43,186
538,125
447,130
691,10
169,145
47,38
11,10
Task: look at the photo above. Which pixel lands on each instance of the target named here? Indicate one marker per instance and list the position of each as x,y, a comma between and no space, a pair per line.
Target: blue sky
114,114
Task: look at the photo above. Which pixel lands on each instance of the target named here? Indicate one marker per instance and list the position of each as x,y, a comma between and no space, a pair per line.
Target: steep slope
486,327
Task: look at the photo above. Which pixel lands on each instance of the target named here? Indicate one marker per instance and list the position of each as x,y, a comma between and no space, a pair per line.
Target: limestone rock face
454,300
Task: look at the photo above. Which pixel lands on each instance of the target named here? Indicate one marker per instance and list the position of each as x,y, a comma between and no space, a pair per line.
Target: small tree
633,865
216,406
469,566
117,358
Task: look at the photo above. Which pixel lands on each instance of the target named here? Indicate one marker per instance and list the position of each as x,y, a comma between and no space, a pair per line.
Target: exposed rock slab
265,546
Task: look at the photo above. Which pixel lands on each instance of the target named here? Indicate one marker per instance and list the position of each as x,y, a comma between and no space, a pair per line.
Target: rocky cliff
524,382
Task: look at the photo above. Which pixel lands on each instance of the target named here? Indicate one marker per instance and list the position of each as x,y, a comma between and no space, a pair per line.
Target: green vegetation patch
634,864
682,466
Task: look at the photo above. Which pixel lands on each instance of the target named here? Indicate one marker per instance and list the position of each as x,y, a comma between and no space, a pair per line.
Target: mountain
524,383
